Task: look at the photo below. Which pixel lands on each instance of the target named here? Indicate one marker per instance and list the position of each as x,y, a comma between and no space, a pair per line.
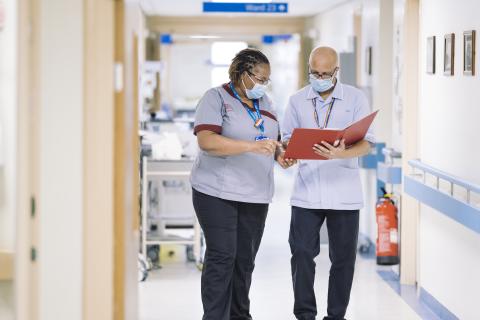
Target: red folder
302,140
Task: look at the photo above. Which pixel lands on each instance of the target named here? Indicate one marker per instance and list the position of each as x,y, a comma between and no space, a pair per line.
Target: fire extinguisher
387,232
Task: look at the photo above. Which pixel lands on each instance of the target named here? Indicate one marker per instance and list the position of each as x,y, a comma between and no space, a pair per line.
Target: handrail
464,212
439,174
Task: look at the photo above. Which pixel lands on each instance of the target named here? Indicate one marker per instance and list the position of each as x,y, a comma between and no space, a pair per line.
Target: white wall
377,26
449,116
8,119
334,34
370,12
61,160
398,100
188,73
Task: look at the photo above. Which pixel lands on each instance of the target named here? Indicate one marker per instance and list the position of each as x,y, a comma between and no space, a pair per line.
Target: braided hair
245,61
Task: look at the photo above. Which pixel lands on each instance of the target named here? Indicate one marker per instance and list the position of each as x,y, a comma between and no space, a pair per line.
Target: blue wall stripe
408,294
425,305
434,305
458,210
389,174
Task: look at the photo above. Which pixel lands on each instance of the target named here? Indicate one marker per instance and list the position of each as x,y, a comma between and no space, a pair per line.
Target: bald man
325,190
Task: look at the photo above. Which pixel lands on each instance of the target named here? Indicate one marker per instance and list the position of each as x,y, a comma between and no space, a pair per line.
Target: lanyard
256,117
327,116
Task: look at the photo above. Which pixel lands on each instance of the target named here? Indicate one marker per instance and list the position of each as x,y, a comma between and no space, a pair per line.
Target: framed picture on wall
368,60
431,61
469,53
449,54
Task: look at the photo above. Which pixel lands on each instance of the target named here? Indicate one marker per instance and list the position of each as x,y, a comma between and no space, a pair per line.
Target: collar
226,87
337,92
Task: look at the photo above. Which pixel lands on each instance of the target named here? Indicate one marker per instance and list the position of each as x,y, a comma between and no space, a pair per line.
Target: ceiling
194,7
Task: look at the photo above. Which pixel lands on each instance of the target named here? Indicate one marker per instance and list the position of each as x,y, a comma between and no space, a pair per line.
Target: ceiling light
199,36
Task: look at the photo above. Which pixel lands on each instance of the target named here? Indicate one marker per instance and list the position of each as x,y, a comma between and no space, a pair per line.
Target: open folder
302,140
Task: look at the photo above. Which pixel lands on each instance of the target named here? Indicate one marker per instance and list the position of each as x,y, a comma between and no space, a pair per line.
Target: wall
449,117
8,116
377,30
331,33
129,38
60,198
407,13
193,57
98,161
398,71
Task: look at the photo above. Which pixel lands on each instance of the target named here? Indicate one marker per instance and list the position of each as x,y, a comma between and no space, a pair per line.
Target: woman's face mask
257,91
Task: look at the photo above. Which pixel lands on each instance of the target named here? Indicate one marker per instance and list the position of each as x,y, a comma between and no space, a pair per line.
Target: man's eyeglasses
259,80
324,75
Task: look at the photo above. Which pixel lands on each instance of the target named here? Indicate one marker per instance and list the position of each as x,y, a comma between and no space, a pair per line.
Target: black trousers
304,242
233,231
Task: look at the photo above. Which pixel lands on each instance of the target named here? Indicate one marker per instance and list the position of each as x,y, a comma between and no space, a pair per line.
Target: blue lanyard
327,116
255,117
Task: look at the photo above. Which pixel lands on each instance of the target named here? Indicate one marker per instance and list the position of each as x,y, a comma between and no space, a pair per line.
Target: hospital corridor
271,289
239,160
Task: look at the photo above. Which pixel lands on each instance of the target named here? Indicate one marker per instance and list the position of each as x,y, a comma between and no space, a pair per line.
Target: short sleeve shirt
327,184
247,177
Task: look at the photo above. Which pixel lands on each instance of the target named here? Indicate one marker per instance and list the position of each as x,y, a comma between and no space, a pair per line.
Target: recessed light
199,36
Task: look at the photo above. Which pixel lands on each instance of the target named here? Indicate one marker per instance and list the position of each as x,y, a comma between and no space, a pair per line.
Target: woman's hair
245,60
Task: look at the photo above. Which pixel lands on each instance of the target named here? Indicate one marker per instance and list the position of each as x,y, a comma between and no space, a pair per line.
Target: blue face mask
321,85
256,92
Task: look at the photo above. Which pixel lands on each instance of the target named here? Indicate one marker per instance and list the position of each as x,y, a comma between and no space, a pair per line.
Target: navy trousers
233,231
304,242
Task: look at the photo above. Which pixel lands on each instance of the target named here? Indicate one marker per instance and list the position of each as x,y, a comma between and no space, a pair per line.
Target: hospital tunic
246,177
327,184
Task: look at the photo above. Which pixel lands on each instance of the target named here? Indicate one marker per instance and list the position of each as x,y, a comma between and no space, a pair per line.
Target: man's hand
325,149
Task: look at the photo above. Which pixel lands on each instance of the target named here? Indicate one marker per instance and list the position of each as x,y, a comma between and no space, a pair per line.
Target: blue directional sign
246,7
272,38
166,38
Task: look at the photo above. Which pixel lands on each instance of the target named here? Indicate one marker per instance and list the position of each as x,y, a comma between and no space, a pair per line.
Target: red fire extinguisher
387,233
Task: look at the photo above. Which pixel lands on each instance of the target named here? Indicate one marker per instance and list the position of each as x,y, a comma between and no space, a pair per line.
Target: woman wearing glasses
232,181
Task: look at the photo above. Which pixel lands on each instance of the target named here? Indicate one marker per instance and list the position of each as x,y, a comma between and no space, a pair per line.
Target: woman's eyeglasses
259,80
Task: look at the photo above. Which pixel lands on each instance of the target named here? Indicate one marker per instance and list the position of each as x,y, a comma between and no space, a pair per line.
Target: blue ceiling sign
246,7
271,39
166,38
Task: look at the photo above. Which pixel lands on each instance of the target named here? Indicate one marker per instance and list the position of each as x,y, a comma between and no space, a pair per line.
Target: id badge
261,137
258,123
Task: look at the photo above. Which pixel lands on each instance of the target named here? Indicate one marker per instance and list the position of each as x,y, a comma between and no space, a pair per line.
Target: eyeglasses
324,75
259,80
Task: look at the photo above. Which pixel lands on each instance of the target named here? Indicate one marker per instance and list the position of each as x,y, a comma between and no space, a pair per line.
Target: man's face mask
324,82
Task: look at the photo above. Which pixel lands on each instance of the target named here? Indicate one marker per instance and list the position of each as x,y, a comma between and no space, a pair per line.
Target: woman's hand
280,156
325,149
285,163
265,147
